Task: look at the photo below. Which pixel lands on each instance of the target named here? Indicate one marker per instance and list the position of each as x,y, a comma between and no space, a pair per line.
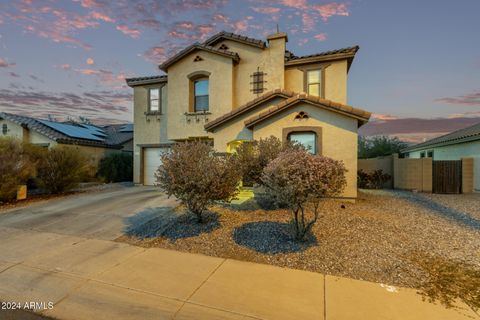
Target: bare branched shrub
62,169
301,180
16,168
195,176
252,157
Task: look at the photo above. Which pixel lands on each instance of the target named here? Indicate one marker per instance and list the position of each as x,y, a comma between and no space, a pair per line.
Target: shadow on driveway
164,222
456,216
271,237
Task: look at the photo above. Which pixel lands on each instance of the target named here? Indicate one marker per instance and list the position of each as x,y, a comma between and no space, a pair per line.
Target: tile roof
291,99
146,80
343,53
350,111
247,107
471,133
69,133
198,46
234,37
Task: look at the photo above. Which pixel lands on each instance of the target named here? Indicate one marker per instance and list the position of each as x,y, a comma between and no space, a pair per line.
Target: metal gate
447,176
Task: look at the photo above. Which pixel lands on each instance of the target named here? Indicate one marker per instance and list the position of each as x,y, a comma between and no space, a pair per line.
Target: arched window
200,89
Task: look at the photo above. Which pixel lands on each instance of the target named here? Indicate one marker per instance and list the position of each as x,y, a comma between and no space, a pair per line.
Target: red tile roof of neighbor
471,133
292,99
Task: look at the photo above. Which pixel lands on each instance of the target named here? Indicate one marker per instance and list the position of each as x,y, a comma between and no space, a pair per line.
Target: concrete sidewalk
100,279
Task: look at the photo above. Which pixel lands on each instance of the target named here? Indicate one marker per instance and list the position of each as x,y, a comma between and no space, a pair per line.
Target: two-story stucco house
232,88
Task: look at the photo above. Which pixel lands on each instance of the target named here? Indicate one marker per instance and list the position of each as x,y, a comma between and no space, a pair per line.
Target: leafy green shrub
374,180
252,157
194,175
62,169
16,168
301,180
116,167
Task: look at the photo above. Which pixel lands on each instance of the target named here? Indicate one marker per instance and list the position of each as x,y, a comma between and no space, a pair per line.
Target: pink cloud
240,26
155,55
383,117
471,99
300,4
134,33
14,75
266,10
308,22
331,9
6,64
101,16
66,66
321,36
105,77
90,61
184,25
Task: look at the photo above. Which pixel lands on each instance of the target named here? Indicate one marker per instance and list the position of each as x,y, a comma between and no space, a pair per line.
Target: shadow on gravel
149,223
447,212
186,226
270,238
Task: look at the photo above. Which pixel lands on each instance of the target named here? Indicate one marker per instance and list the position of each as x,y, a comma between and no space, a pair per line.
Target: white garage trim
151,162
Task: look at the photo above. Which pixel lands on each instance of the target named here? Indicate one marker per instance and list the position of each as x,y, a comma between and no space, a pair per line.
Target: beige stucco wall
338,141
335,80
382,163
412,174
13,130
181,126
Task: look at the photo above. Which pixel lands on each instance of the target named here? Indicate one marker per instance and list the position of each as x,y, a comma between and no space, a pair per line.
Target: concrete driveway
60,252
99,215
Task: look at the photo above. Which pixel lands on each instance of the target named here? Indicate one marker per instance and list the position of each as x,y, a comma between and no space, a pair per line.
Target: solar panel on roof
71,130
127,128
94,129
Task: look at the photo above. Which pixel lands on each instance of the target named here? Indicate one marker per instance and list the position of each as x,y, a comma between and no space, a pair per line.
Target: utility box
22,192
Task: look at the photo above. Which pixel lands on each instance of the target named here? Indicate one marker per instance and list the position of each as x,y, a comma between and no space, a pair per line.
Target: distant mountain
415,130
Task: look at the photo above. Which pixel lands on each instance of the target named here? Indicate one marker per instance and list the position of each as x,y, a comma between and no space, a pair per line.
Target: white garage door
151,164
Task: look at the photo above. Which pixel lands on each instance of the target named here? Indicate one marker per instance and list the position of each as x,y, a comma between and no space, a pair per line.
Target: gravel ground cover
381,238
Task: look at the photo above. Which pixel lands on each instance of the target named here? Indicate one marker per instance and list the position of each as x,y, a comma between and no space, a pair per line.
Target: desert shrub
116,167
252,157
62,169
373,180
194,175
379,146
16,168
302,180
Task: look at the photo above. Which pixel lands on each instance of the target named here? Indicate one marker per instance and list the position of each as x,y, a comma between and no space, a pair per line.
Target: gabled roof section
131,82
361,115
247,107
343,53
223,35
68,133
471,133
198,46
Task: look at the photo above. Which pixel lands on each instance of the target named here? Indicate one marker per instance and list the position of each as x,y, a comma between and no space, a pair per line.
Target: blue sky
417,59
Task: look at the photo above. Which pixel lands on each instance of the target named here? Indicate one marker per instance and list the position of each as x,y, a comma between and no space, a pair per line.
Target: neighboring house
94,140
463,143
232,88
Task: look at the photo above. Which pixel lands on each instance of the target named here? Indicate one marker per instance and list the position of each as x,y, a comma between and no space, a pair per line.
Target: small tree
301,180
116,167
378,146
195,176
16,167
62,168
252,157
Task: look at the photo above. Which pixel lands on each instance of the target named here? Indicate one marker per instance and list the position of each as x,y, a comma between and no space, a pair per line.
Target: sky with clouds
417,58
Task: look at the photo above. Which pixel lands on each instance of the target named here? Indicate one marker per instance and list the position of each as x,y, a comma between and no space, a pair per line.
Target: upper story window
314,82
154,99
307,139
200,95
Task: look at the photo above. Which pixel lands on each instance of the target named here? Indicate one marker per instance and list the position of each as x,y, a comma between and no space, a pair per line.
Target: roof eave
144,82
441,144
332,57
